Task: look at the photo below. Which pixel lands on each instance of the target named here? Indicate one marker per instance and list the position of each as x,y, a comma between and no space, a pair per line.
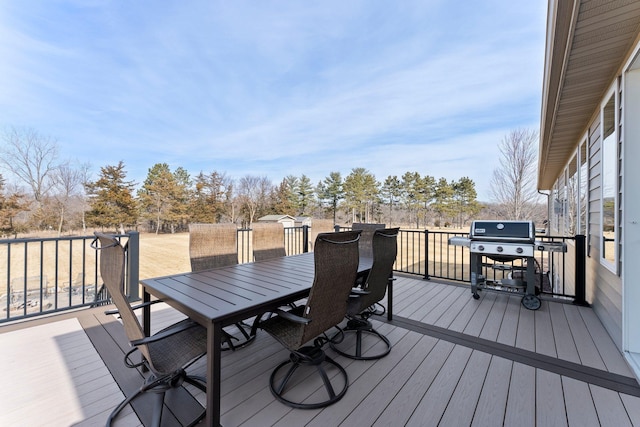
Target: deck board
462,405
509,326
402,406
491,406
579,403
363,385
429,378
370,408
632,406
565,345
526,333
544,334
492,326
611,357
550,407
430,409
520,410
477,322
609,407
54,366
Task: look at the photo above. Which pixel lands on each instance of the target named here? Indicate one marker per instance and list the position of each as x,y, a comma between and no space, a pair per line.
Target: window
556,213
573,184
609,187
582,193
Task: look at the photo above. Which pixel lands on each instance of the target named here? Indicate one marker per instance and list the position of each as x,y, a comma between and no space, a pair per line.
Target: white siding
604,288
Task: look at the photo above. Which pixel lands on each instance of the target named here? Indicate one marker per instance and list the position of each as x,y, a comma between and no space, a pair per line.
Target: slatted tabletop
220,297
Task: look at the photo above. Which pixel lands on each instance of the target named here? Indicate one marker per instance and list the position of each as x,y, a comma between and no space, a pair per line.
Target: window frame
611,93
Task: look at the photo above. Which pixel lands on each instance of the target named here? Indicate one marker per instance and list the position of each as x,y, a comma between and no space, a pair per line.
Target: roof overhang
588,41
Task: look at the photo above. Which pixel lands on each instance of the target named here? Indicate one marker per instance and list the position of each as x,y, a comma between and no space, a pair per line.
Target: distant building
303,220
286,220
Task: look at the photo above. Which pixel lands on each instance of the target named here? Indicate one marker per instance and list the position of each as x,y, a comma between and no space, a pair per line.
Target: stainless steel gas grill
504,242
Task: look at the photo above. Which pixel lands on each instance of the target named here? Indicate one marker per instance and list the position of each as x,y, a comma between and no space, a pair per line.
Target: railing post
426,255
580,273
133,265
305,238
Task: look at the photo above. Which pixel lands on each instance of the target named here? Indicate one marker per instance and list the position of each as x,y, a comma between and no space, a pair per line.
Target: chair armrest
172,330
134,307
292,317
358,292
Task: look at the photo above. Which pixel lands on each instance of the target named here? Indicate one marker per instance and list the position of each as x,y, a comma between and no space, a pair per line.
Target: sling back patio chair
212,246
320,226
365,244
267,240
165,354
363,305
336,264
366,237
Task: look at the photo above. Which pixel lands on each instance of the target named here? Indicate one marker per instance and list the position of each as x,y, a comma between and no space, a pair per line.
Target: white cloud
275,88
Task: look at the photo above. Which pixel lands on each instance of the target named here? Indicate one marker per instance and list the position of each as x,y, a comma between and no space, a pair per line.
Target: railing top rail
52,239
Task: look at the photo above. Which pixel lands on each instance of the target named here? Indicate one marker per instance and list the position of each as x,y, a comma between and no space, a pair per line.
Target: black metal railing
296,241
46,275
429,254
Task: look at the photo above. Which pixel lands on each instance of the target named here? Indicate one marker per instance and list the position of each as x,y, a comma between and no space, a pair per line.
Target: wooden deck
455,361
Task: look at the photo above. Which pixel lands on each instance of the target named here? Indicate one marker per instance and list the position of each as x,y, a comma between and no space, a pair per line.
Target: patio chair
336,264
268,240
365,244
319,226
363,305
213,246
166,354
366,237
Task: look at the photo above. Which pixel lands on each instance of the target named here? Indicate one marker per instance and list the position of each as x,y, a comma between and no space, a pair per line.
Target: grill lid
503,231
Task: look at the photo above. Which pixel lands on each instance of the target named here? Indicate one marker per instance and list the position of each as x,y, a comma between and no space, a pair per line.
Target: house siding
603,287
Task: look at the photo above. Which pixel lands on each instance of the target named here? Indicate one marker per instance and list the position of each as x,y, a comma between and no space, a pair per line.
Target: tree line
57,196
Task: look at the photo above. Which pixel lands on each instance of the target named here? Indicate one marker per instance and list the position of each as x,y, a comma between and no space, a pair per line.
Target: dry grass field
163,254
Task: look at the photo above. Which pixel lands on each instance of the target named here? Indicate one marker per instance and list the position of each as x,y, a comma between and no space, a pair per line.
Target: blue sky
275,88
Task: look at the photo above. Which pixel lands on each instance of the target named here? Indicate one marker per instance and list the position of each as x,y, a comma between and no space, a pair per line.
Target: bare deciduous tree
68,183
253,192
32,158
513,185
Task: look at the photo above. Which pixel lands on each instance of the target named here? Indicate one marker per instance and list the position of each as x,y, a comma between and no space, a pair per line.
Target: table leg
390,298
146,313
214,334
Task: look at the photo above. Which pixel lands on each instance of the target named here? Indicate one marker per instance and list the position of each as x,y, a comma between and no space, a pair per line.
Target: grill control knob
519,250
499,249
481,248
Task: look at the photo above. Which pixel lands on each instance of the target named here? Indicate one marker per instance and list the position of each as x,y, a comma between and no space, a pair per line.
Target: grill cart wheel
531,302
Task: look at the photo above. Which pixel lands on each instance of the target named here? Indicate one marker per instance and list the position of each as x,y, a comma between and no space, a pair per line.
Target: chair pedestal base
160,386
308,356
245,337
360,327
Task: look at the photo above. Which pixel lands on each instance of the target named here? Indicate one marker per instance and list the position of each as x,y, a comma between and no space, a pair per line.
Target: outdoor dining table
223,296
